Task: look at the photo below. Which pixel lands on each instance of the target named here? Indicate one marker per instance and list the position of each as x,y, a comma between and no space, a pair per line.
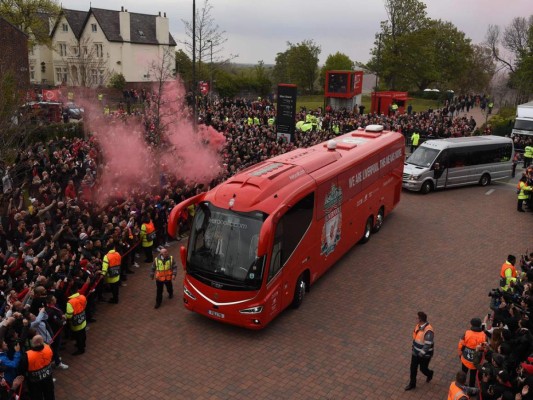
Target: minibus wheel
427,187
299,292
379,220
368,230
484,180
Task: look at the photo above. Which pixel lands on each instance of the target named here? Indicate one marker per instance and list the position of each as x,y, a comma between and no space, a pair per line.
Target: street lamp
210,69
194,113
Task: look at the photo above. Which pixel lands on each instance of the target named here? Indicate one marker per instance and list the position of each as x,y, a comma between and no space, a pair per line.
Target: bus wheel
299,292
427,187
368,230
379,221
484,180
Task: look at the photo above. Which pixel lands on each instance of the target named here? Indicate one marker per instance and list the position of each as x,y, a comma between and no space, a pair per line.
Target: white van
444,163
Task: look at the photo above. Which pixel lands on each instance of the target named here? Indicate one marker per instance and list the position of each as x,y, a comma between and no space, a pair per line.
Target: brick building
14,51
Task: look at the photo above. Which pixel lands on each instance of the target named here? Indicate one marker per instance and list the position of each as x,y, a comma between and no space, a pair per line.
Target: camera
495,293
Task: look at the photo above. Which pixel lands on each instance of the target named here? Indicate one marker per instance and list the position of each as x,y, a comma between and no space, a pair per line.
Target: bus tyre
379,221
484,180
368,230
427,187
299,292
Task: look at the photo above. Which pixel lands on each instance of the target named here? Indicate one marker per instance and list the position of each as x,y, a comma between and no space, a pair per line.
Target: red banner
51,94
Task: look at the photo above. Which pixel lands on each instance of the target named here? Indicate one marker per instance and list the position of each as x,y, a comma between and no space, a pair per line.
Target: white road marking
489,192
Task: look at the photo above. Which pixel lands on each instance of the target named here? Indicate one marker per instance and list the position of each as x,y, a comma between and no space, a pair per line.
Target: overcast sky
259,29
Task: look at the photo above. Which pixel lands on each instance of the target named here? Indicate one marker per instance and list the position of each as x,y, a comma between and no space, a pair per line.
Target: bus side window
290,231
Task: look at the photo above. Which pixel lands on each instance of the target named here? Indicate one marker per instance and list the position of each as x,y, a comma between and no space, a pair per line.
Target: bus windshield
423,157
223,248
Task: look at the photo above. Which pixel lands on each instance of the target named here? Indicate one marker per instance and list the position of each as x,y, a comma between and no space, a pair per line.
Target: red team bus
259,240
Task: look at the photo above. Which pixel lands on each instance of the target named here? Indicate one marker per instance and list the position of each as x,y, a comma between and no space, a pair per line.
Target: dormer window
93,27
65,27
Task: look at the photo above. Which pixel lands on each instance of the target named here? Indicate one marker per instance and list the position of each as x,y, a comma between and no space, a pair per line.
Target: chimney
159,13
161,29
125,25
165,14
122,8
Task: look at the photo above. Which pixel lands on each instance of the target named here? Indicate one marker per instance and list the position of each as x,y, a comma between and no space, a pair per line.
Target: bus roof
466,141
268,184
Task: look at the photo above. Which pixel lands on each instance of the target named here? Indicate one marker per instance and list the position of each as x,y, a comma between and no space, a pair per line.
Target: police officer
76,316
111,272
422,350
37,364
528,155
164,270
467,347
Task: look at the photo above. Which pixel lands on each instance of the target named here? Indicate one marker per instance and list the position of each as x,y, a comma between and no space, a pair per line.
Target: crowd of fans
54,236
502,359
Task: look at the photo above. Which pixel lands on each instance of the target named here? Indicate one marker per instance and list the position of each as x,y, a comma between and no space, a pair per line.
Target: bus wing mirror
183,256
436,167
175,214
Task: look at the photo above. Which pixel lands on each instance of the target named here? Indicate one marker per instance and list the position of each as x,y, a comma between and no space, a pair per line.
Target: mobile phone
489,315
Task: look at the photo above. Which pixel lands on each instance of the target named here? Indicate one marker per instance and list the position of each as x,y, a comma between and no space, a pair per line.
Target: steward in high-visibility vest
524,192
37,363
457,390
270,121
76,316
422,350
147,236
256,120
111,272
508,272
467,347
164,270
415,139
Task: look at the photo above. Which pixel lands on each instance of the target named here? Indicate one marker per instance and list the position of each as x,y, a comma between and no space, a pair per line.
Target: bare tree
210,38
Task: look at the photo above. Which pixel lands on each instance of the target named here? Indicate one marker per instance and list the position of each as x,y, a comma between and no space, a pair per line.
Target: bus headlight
188,293
252,310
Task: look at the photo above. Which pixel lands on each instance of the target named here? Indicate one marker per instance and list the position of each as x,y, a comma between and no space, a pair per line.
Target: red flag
51,95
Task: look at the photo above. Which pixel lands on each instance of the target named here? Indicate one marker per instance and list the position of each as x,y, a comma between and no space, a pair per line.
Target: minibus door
440,169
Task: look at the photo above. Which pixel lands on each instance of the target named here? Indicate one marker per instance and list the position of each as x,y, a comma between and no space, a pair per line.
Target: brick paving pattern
351,338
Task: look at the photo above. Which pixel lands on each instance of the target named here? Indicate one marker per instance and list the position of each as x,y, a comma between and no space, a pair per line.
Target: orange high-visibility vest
507,265
111,266
39,364
163,270
418,338
77,319
467,346
456,393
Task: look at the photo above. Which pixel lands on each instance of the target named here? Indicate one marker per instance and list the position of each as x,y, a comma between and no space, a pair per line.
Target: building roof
76,20
15,28
142,26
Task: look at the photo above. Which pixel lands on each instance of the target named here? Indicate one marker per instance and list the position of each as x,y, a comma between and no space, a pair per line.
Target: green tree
392,44
262,82
337,61
184,67
298,65
117,81
32,17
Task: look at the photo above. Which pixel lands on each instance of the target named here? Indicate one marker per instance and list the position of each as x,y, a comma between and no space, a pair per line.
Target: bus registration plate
216,314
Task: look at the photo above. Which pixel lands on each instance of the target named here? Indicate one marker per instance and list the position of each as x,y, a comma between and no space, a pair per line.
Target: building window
75,51
65,27
85,50
32,72
61,74
63,49
99,50
93,27
101,77
94,76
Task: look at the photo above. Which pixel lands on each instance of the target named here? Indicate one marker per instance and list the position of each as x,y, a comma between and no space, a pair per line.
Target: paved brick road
351,338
